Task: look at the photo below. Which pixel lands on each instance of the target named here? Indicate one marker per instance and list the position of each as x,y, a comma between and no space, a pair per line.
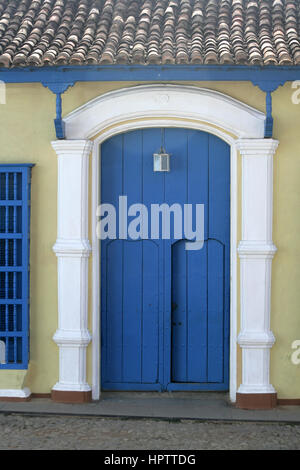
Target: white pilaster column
72,249
256,251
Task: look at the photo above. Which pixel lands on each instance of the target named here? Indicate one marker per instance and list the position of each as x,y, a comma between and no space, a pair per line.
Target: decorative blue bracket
58,89
268,88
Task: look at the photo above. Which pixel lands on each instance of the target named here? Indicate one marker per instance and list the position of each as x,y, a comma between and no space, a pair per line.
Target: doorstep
169,406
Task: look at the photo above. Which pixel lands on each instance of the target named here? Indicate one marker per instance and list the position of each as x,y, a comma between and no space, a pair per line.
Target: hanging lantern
161,159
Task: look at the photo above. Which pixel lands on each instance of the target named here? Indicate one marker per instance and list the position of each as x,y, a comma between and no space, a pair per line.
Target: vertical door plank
150,321
219,190
198,166
153,327
197,314
132,311
215,333
133,263
176,193
114,311
179,301
219,259
198,143
111,265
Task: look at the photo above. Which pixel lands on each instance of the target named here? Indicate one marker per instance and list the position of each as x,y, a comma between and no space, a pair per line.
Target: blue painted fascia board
90,73
59,78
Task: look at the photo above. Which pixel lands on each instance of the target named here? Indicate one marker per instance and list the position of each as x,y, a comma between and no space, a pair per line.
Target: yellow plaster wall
285,318
26,129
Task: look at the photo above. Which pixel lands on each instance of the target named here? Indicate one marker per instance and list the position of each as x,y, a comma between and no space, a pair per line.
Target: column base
68,396
256,401
15,395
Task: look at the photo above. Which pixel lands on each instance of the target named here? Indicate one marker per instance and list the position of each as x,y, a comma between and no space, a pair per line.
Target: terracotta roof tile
62,32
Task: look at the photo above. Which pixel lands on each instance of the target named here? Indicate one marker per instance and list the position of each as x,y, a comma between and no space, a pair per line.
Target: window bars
14,265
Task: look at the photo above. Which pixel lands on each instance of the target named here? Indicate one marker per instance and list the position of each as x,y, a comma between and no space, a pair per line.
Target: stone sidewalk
22,432
168,406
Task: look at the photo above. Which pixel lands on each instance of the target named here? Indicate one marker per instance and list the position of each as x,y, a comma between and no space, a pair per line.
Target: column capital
72,147
256,147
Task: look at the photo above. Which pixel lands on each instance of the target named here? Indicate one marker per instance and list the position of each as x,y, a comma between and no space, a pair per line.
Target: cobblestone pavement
59,432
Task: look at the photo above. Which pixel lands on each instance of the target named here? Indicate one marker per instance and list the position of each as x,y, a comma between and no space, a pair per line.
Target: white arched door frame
147,106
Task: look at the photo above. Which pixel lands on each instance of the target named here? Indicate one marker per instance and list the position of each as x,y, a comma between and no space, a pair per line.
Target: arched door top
165,101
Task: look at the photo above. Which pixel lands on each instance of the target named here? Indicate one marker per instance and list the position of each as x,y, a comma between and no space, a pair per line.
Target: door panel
189,314
165,310
132,311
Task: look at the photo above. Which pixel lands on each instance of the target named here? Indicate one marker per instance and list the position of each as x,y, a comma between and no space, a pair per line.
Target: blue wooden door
164,309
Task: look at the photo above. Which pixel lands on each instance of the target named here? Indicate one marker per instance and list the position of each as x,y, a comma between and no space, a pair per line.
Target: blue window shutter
14,265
